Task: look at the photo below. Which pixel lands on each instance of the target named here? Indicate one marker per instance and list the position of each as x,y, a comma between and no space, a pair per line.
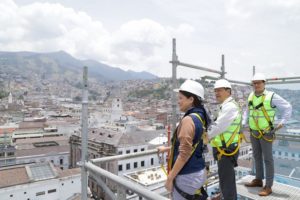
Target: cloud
45,27
249,33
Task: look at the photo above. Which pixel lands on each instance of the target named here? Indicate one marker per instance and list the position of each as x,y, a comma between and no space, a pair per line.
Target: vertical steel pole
84,134
169,144
253,170
174,85
223,66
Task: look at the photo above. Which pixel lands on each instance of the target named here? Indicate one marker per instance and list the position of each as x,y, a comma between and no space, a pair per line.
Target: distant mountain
62,63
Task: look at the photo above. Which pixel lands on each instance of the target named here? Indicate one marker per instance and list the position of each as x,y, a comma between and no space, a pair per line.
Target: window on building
120,152
120,168
2,154
286,154
128,166
51,191
135,150
142,163
152,161
135,164
10,153
273,152
279,153
25,192
61,161
142,149
127,151
11,195
40,193
293,155
45,144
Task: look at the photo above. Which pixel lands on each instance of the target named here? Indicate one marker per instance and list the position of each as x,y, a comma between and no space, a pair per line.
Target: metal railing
98,173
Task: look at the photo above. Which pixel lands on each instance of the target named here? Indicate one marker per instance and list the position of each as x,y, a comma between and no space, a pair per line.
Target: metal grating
280,191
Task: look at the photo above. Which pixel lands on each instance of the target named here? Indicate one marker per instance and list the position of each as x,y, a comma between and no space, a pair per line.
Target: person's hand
161,149
169,184
279,126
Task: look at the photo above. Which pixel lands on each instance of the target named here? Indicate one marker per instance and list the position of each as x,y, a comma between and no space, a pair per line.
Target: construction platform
280,191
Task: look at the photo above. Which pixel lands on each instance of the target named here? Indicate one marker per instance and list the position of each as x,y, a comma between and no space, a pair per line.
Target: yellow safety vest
231,134
261,112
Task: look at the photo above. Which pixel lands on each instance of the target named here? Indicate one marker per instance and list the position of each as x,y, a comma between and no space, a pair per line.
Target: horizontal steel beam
124,156
140,190
232,81
283,78
196,67
239,82
282,82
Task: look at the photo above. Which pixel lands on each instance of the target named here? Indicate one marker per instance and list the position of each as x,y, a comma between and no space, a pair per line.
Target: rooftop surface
280,191
23,174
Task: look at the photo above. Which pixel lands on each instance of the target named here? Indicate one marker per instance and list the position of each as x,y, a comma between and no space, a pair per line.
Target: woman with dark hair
186,163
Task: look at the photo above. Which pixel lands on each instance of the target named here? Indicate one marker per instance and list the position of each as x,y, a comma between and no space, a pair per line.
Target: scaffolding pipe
285,78
174,84
239,82
282,82
223,67
140,190
84,128
199,67
232,81
101,183
124,156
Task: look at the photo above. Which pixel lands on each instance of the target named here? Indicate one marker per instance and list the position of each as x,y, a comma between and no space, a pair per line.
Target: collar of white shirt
226,101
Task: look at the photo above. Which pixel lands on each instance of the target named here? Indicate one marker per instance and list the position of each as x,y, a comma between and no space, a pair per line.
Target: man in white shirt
224,138
260,114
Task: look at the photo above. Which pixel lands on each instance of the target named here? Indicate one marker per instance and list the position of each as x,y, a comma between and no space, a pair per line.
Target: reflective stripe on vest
234,127
260,123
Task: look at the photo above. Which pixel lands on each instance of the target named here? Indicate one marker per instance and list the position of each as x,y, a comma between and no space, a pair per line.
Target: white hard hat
259,77
222,83
192,87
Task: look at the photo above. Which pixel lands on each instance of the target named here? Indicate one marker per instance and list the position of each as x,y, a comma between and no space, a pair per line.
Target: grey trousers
263,155
189,183
227,177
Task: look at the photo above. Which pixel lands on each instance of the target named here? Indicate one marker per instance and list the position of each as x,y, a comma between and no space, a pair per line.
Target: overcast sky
137,34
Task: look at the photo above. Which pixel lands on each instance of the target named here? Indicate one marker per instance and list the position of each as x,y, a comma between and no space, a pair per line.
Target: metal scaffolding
175,63
99,173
